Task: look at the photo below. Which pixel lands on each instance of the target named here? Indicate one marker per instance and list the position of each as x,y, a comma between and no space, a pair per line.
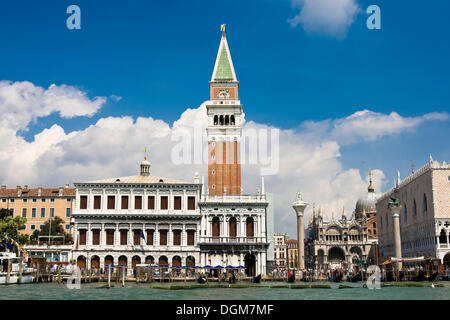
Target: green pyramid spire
223,68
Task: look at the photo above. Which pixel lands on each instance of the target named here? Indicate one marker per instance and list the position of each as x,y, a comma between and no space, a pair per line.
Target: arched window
227,120
405,213
425,204
443,237
249,229
221,120
216,120
215,227
232,121
233,227
414,208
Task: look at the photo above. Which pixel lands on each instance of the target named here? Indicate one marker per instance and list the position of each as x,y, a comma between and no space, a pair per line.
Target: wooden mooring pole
20,270
8,272
123,276
109,276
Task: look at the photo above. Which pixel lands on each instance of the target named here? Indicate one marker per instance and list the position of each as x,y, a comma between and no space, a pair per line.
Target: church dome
367,202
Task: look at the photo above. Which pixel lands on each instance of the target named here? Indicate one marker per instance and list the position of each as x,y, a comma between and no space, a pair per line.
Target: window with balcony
82,234
163,237
137,237
249,227
150,237
110,236
96,237
215,227
233,227
176,237
190,237
123,237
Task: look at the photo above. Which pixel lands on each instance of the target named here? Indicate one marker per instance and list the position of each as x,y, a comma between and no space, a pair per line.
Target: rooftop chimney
61,191
39,191
19,191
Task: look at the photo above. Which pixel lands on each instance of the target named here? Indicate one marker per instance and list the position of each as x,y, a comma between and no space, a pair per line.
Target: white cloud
309,155
330,17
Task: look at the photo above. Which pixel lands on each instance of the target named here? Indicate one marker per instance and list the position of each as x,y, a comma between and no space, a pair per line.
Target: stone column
299,207
395,210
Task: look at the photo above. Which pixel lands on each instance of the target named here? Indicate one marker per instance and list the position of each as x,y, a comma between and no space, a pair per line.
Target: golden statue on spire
222,27
145,151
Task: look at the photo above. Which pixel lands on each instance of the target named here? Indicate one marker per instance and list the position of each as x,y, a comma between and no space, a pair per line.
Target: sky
79,105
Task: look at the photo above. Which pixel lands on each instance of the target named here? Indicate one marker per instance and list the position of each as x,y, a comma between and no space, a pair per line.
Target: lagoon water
132,291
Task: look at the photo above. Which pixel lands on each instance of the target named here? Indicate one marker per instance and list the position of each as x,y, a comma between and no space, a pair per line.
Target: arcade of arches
96,262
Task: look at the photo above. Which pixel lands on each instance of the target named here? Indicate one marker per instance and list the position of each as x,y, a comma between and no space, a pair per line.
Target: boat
201,279
338,278
356,277
420,276
256,279
6,258
433,276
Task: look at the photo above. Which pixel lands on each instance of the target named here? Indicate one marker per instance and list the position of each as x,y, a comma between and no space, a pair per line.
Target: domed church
365,206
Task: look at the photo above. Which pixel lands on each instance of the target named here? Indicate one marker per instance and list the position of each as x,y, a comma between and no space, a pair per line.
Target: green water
132,291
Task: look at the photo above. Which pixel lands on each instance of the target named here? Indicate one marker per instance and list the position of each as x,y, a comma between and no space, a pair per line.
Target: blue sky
159,55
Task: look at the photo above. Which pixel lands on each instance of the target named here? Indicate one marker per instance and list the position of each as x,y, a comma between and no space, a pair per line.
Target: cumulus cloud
309,155
330,17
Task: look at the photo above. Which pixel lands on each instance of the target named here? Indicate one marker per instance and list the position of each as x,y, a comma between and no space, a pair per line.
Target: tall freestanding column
395,207
299,207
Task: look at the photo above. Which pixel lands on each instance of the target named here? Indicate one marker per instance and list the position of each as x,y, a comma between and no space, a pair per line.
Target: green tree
57,229
10,226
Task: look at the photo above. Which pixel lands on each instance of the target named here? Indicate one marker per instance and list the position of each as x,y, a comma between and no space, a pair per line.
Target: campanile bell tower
224,125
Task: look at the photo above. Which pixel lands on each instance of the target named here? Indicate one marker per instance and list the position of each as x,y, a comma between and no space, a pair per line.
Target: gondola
201,279
433,277
420,276
356,277
389,276
338,278
256,279
291,279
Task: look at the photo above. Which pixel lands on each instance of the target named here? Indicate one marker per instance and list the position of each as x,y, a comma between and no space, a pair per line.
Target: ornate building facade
337,243
424,215
155,220
137,219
